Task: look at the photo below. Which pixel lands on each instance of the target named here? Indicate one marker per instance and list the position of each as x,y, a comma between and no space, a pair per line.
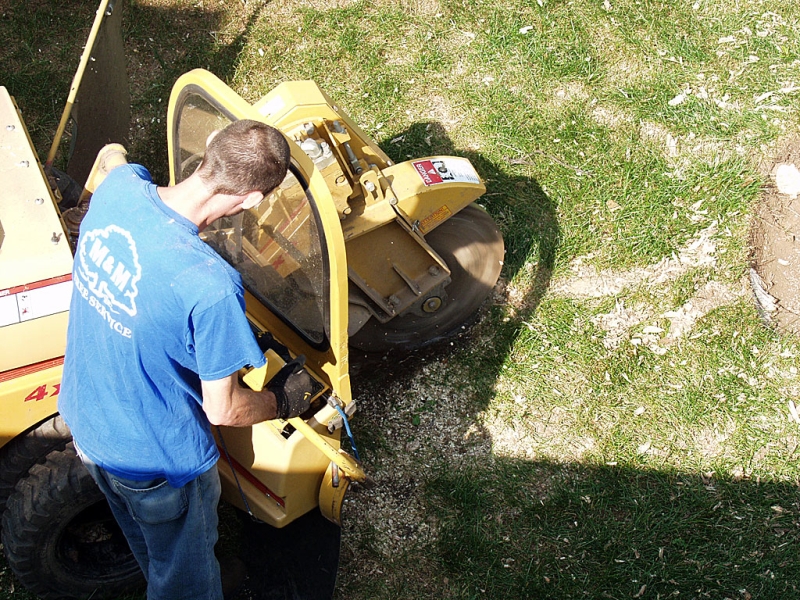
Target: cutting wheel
472,247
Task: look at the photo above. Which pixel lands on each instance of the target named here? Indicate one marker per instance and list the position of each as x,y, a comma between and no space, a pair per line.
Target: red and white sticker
35,300
434,171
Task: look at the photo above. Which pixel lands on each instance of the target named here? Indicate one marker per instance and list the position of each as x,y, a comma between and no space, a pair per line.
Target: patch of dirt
711,441
571,92
611,117
586,281
775,243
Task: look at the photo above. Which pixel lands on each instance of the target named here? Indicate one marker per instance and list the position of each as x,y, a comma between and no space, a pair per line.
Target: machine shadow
527,219
594,531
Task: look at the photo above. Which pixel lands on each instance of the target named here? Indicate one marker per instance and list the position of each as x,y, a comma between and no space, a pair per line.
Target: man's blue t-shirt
154,311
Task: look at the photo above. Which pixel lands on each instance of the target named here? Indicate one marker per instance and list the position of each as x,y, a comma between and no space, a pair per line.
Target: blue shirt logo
109,265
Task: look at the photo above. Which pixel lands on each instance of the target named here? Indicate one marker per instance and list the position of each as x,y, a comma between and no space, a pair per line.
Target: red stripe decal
30,369
35,285
252,479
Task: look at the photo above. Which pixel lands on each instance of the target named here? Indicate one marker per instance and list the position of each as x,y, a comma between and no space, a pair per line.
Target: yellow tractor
351,249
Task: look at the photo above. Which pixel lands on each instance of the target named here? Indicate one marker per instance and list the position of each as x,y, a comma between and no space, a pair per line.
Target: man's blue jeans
171,531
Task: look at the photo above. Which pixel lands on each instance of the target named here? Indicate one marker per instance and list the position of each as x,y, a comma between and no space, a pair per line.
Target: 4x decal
41,392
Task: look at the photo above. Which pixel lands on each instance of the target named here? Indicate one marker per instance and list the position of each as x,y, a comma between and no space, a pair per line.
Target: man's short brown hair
244,157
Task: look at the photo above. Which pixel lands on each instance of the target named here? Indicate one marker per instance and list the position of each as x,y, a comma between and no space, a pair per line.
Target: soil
775,243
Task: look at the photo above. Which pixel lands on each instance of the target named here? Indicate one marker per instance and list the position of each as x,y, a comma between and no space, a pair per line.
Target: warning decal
432,220
446,170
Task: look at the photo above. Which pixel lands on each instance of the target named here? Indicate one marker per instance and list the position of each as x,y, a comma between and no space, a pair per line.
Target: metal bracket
337,422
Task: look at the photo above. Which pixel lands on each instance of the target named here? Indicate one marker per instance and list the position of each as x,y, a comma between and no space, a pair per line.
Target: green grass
581,441
587,531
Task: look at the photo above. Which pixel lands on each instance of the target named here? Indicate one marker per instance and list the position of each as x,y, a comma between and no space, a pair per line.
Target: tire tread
42,503
20,455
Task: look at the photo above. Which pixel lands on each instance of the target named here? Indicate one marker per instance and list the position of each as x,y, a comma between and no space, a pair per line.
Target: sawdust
682,151
571,92
628,71
541,436
422,8
712,295
775,245
711,442
586,281
610,116
429,422
619,322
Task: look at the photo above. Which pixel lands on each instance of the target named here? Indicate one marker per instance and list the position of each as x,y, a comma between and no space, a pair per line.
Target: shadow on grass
187,39
523,211
575,531
42,45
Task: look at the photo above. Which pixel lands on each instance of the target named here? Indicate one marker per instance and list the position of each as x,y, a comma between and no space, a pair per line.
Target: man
157,334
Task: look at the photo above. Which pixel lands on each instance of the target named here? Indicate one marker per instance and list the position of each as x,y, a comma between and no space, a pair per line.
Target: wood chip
793,412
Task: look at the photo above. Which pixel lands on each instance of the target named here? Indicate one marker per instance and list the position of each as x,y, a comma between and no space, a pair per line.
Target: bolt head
432,304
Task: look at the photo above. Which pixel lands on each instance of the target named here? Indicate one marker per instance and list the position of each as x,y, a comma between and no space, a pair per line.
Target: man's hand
293,388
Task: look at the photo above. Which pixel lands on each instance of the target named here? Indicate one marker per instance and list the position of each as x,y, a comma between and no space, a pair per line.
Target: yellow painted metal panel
33,341
291,468
33,246
334,363
432,201
27,400
293,103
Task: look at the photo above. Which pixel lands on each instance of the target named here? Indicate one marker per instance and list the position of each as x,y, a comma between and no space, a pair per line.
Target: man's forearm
250,407
226,402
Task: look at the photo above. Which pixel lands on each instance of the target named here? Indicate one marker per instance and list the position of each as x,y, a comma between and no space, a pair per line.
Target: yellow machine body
35,282
385,208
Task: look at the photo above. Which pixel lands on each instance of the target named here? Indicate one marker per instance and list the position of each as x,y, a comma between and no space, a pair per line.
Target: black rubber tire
60,537
471,245
18,456
69,189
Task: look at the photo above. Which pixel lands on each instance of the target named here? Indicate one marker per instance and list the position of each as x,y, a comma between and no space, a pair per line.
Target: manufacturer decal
441,214
434,171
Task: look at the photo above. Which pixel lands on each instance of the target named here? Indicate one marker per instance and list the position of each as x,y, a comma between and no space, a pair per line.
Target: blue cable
349,433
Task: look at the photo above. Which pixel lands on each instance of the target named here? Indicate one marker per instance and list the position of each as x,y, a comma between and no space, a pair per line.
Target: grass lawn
616,424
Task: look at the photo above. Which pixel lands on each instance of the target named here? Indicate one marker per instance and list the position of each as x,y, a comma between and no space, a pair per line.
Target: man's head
244,157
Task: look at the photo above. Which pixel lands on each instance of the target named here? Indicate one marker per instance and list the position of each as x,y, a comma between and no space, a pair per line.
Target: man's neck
190,199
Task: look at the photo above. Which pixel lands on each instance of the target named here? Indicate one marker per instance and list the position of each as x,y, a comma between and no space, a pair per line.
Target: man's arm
225,402
288,394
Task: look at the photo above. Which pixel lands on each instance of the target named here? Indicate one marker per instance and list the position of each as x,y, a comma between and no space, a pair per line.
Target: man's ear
252,199
211,136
